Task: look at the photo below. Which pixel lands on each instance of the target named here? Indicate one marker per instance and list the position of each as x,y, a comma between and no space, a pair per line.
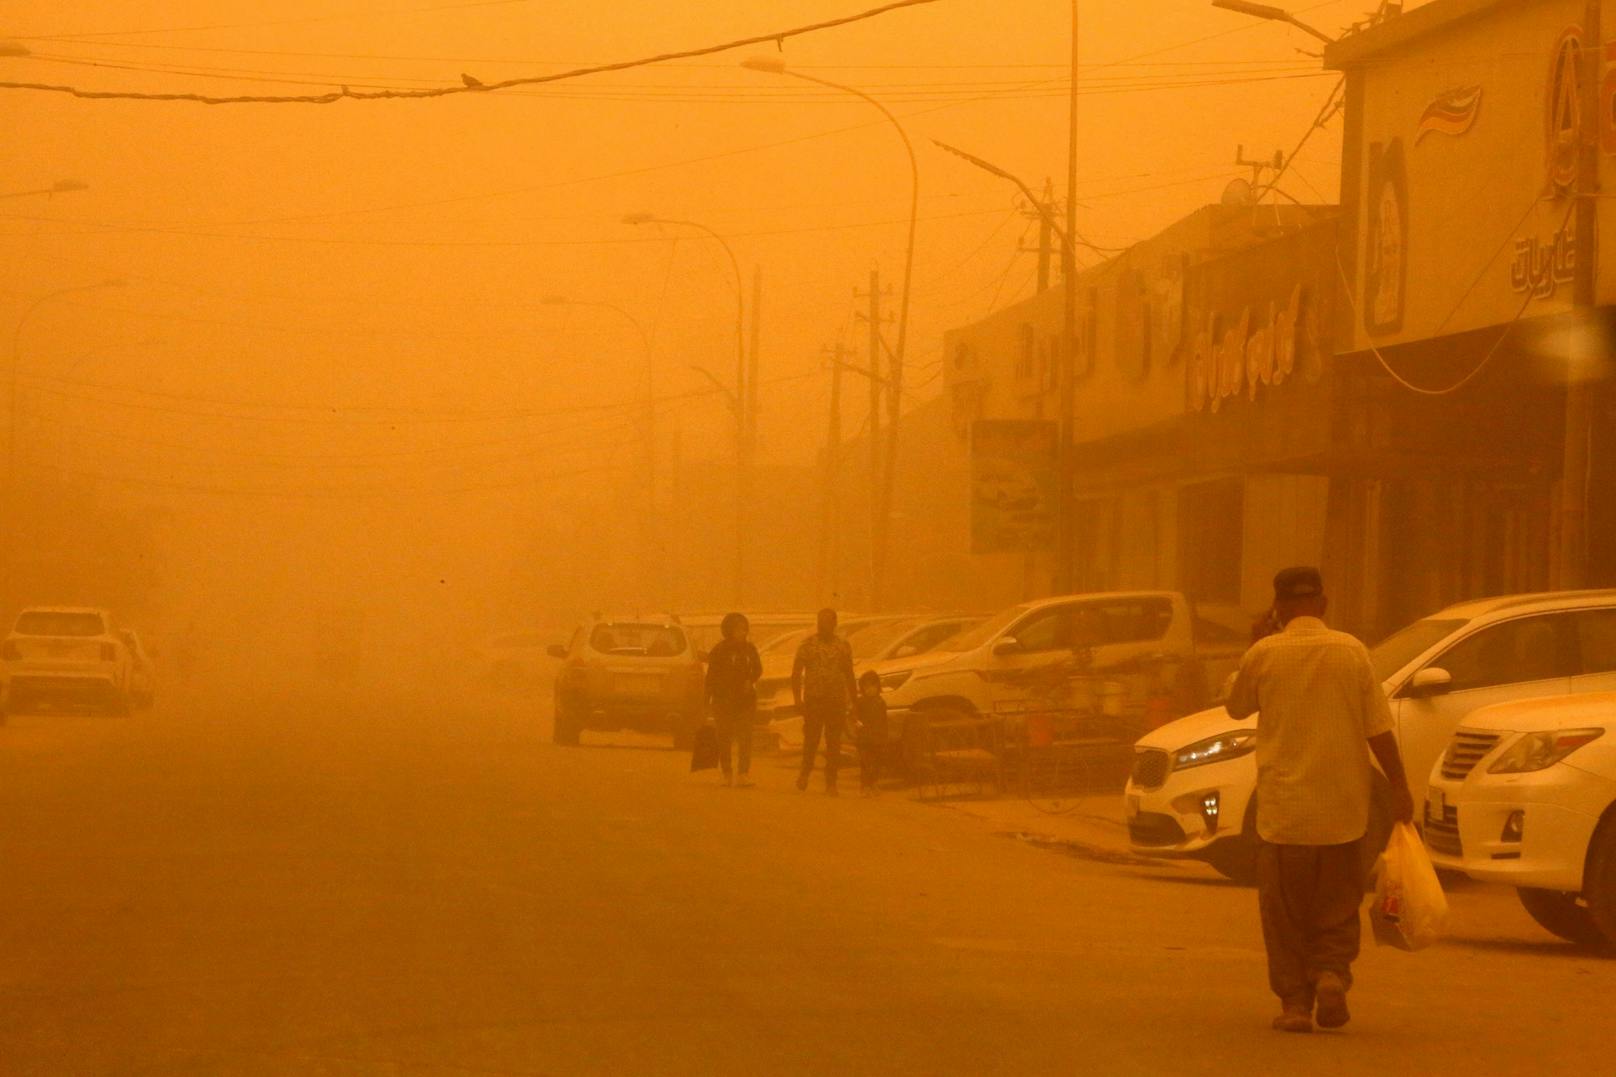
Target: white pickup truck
64,656
1006,664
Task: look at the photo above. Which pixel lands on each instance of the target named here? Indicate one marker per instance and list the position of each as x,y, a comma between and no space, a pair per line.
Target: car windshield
1406,644
48,623
878,636
787,642
976,637
632,638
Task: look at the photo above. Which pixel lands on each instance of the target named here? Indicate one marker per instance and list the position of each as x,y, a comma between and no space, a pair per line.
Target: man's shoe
802,783
830,791
744,782
1331,992
728,779
1294,1021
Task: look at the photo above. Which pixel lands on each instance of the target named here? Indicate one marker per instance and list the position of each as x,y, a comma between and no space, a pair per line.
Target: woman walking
733,669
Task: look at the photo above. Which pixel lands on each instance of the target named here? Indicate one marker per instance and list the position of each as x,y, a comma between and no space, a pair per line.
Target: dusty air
827,537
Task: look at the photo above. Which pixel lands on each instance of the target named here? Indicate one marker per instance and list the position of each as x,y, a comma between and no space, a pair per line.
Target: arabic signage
1013,484
1459,183
1240,353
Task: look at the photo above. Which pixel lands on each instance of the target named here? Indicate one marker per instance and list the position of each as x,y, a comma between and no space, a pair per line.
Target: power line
778,38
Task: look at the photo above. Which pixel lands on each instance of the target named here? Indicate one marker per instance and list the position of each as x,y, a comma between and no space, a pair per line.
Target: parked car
1191,793
65,656
142,673
1526,795
514,660
991,668
766,626
637,673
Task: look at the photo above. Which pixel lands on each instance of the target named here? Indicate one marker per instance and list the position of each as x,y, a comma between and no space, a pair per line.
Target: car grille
1443,835
1466,750
1150,767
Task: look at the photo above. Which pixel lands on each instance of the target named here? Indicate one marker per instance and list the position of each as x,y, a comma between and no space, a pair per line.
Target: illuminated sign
1385,239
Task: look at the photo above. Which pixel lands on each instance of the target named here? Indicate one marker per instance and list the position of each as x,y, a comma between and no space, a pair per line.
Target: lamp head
63,186
640,218
1256,11
768,64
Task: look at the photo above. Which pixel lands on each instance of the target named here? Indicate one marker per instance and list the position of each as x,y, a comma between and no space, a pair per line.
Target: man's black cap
1300,582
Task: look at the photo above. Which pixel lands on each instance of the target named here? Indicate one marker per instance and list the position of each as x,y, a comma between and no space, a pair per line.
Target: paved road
322,887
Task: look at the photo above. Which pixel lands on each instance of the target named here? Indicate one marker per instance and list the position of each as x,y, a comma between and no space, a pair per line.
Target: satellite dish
1238,193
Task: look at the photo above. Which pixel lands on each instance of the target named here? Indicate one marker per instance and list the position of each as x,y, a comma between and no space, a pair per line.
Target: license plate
1133,805
1436,805
635,684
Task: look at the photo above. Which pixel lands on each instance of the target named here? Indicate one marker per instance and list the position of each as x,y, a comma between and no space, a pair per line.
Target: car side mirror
556,650
1006,646
1430,681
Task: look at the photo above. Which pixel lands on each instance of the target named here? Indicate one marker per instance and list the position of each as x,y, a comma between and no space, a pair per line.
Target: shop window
1211,525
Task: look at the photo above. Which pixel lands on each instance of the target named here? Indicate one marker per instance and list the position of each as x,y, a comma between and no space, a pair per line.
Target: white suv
1191,792
1526,795
65,655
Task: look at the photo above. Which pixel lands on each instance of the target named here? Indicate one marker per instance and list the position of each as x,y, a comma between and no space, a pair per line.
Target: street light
742,440
775,66
1272,14
649,467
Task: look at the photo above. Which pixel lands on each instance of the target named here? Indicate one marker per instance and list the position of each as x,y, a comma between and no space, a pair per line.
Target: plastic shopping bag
1410,910
704,753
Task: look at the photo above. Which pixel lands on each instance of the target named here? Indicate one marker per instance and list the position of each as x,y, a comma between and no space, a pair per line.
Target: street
339,886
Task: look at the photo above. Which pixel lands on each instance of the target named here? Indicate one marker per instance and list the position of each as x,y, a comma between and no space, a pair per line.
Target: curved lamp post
742,454
773,66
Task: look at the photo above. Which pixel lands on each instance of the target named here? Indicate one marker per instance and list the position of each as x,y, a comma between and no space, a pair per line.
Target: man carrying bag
1318,702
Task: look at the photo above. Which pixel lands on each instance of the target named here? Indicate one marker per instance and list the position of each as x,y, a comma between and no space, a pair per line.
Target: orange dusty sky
349,297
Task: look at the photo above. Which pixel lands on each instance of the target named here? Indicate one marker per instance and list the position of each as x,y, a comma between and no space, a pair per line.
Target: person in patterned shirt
822,685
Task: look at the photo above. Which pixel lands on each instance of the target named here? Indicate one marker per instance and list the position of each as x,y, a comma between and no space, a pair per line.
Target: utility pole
877,523
1576,457
1065,575
1046,234
831,520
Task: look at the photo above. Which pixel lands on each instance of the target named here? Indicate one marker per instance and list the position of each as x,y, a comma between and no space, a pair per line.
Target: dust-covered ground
346,883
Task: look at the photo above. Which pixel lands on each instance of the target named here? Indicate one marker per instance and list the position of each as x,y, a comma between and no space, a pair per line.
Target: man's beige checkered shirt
1317,702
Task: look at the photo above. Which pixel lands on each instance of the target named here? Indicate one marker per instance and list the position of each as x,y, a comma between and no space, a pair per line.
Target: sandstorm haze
328,377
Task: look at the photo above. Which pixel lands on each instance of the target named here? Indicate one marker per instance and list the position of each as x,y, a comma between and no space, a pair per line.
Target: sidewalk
1089,825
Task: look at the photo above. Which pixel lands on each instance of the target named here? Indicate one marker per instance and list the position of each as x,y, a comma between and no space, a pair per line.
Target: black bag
704,756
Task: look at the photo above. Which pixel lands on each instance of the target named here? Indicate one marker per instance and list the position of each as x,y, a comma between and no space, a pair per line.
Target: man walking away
822,685
733,669
1318,701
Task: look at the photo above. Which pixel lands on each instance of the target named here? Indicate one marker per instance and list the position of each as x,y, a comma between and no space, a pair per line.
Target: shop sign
1253,349
1563,121
1451,113
1013,484
1540,267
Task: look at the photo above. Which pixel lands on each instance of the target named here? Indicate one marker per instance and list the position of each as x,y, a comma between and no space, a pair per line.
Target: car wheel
1235,859
1599,882
1563,915
566,726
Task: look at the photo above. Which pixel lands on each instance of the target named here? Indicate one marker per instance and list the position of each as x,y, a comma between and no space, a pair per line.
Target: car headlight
1538,751
1216,749
891,682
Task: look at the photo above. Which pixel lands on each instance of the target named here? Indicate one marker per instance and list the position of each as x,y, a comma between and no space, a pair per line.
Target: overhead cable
346,93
